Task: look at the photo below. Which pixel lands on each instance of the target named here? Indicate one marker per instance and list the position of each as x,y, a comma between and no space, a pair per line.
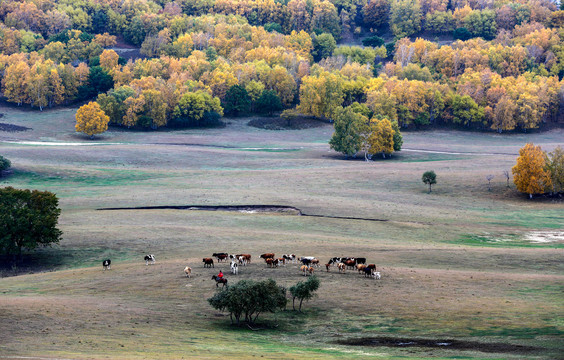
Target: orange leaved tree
91,119
531,174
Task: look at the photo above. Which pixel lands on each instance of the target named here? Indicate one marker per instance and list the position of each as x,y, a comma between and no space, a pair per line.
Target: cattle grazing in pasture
267,255
360,260
246,259
350,263
305,269
219,280
376,275
270,262
234,267
371,266
107,264
208,262
315,262
342,267
327,266
282,261
242,260
290,258
360,267
307,260
188,271
220,256
368,272
149,258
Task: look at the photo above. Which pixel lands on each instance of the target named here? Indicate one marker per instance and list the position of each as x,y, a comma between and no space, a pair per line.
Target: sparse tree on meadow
489,177
506,174
531,174
304,291
27,219
247,299
91,119
429,178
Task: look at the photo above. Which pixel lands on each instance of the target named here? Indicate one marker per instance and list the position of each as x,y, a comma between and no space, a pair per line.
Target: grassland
459,264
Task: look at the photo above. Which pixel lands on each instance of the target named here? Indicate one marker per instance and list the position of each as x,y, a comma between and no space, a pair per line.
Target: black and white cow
149,258
290,257
106,264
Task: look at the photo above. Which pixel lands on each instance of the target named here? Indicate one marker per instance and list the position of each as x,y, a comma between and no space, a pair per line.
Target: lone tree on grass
304,291
91,119
489,178
531,174
247,299
430,178
506,175
27,219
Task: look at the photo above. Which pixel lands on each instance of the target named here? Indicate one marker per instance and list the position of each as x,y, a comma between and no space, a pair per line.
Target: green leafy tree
268,102
429,178
247,299
304,291
99,81
236,101
556,168
323,46
465,111
347,137
27,219
196,109
405,19
4,164
398,137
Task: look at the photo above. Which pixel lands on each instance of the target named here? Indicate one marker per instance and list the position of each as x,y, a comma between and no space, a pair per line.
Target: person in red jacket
220,275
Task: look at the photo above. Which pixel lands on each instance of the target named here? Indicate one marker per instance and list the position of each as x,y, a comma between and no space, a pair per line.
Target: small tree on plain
506,174
304,291
489,178
247,299
430,178
27,219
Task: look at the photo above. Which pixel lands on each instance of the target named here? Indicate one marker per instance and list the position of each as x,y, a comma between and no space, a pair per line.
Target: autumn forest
479,64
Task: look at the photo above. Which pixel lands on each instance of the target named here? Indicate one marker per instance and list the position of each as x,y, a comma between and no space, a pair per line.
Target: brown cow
270,262
360,268
315,262
342,267
208,262
327,266
246,258
350,263
267,255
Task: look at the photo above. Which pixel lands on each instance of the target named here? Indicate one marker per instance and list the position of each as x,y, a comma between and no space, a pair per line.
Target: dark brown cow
220,256
267,255
371,266
208,262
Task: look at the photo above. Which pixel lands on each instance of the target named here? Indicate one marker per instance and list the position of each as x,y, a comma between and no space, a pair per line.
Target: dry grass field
466,272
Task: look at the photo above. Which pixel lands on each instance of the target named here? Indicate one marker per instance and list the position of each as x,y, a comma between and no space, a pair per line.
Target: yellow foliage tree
531,174
381,137
91,119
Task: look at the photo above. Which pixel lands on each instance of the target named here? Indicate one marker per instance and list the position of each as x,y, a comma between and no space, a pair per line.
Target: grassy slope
443,275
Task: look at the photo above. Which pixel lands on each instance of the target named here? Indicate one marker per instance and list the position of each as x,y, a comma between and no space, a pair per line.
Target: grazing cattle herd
307,267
